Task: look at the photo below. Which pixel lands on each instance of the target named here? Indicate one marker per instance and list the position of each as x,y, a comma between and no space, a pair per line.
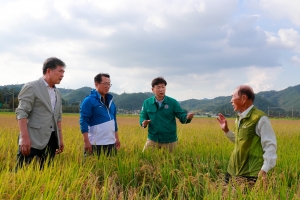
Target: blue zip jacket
94,112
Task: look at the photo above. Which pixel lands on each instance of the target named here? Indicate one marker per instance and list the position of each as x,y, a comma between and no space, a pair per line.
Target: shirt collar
243,114
159,101
47,85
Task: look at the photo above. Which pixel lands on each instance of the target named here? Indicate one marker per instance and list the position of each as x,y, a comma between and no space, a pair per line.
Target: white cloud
287,38
102,31
153,23
202,47
262,79
296,60
63,8
200,7
17,70
282,9
199,86
15,13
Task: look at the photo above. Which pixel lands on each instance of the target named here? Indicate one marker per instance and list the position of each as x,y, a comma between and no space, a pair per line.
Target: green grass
194,171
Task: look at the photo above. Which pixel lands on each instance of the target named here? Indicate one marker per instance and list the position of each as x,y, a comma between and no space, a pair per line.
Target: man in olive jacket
159,113
254,140
39,115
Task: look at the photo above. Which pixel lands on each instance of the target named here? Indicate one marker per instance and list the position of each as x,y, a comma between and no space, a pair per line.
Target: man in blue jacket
98,121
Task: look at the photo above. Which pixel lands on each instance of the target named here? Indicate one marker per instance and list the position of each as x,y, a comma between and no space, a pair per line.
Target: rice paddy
194,171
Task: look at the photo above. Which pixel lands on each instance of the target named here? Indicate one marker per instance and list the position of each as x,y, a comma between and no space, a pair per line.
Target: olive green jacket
247,156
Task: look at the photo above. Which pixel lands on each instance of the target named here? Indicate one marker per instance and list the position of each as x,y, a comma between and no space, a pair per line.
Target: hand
262,177
118,144
145,123
223,123
88,146
190,115
61,147
25,145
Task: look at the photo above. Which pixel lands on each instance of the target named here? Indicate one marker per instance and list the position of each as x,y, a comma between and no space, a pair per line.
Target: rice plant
194,171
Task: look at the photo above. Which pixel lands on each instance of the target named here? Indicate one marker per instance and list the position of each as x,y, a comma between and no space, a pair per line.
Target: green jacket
247,156
162,127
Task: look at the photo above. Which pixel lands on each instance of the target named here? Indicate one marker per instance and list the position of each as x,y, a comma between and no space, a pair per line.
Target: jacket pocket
34,125
151,114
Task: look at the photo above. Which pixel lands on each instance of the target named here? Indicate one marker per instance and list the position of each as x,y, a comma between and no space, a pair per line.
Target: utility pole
13,96
274,111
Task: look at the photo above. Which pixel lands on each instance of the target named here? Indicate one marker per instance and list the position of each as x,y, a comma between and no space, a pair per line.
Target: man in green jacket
254,140
159,112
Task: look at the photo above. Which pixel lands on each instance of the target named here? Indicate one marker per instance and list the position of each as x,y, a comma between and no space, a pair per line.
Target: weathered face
237,101
104,86
55,75
159,91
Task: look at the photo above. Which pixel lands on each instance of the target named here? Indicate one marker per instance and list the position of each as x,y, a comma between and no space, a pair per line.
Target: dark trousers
40,155
108,150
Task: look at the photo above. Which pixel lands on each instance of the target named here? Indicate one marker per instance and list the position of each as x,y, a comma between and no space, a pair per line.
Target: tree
1,97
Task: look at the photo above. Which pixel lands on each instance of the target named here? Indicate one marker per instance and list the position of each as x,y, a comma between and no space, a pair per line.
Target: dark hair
158,80
98,77
246,90
52,63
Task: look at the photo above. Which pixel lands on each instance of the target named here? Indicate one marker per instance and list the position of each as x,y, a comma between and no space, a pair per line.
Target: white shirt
268,139
52,95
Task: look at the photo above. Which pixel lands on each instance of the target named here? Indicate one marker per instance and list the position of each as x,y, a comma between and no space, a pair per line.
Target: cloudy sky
203,48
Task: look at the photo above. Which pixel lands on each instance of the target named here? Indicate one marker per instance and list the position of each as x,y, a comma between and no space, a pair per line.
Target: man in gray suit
39,115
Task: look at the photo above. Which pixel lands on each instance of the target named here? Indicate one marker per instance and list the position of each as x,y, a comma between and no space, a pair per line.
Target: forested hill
126,101
272,102
283,102
288,98
223,105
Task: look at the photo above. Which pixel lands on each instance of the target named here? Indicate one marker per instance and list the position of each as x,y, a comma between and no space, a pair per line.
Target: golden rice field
194,171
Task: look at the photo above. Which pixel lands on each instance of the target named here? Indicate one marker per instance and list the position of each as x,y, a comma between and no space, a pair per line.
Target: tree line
8,98
9,101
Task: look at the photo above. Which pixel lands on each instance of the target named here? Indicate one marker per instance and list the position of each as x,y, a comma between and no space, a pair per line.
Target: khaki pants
151,144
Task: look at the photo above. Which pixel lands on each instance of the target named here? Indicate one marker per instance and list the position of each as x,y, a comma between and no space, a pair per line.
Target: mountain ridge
284,102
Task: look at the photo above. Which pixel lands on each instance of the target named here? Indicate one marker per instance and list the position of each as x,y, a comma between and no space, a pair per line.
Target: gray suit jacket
35,105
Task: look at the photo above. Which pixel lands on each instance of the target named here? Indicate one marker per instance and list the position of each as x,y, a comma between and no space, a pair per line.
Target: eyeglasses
159,87
106,84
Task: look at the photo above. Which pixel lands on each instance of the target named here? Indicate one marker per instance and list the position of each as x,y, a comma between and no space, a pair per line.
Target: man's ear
244,98
48,70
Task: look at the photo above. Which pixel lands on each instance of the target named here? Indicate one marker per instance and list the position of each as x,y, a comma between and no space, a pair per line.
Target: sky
203,48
